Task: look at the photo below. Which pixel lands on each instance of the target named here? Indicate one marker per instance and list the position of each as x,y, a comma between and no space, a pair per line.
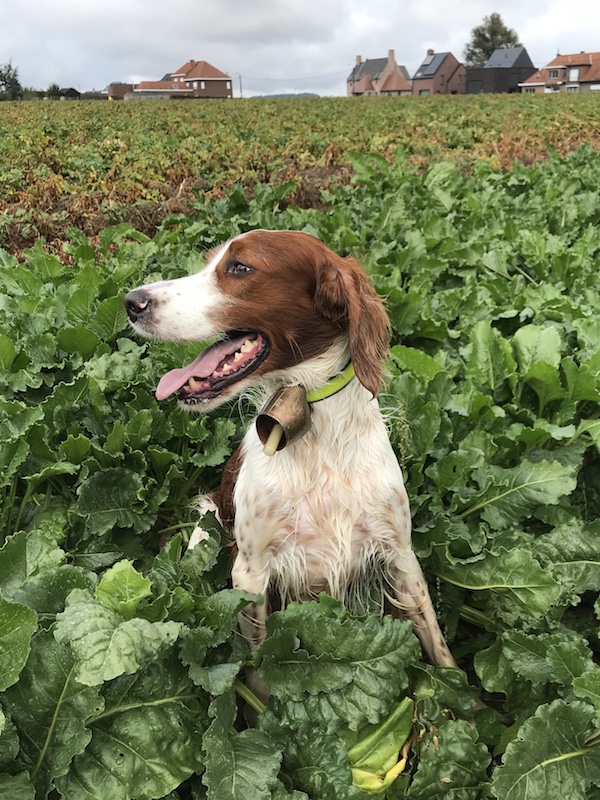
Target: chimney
430,52
391,57
359,59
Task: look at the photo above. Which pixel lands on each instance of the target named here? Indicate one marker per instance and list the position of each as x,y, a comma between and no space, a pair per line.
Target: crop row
93,164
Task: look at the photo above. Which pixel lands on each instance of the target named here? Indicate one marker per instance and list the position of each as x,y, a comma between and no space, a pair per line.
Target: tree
491,35
10,88
53,92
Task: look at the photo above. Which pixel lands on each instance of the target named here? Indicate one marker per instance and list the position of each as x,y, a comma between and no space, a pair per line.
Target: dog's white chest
314,513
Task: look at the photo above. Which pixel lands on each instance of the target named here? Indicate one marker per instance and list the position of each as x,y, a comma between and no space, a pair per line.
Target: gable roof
575,60
588,63
199,70
363,85
431,64
371,67
509,57
397,82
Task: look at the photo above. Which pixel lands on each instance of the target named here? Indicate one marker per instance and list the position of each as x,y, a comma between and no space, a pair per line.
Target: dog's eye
237,269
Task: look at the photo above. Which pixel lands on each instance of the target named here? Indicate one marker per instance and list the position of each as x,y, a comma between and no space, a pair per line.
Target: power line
307,78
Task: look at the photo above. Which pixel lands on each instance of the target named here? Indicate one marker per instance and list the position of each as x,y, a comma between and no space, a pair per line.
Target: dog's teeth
238,356
193,383
248,345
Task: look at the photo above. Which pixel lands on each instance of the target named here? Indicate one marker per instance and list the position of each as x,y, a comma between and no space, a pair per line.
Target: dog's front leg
249,578
414,602
252,620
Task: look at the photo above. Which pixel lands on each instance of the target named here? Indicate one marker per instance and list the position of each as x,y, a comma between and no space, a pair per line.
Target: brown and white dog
330,508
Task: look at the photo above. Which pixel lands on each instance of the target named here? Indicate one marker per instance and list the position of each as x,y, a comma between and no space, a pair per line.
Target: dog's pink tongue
201,367
176,378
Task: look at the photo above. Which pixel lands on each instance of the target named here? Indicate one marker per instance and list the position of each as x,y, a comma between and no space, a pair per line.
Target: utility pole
240,79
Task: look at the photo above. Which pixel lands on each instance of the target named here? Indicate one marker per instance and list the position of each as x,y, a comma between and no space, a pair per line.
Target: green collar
333,386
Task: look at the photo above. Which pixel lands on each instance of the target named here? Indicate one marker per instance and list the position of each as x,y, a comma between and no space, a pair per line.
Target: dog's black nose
137,303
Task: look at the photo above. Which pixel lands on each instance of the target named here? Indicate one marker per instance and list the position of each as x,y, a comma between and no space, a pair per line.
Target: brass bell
285,418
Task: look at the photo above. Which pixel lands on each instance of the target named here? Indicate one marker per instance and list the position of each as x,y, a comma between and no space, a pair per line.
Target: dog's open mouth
227,361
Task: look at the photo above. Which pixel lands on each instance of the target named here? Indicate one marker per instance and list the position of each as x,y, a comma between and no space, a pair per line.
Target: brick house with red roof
195,79
575,72
378,76
203,79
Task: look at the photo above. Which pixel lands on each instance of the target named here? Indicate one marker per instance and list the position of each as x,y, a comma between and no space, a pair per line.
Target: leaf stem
132,706
249,697
172,528
24,501
480,619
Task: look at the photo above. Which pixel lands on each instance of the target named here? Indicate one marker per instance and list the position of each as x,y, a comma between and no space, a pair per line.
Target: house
504,70
70,94
203,79
193,79
440,73
381,76
117,91
577,72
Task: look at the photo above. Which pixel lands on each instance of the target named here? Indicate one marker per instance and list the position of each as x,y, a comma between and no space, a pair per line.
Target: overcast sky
274,45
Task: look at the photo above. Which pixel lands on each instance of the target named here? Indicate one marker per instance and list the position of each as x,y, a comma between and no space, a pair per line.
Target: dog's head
275,301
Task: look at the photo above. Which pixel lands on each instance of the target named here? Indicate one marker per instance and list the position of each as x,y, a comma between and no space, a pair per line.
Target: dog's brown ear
345,296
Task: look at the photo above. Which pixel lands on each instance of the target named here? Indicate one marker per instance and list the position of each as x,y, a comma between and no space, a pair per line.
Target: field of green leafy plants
95,164
121,671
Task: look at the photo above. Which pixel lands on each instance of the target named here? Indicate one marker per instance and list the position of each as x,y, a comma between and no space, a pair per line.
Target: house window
553,73
423,91
195,84
529,90
229,84
574,74
202,85
595,87
572,88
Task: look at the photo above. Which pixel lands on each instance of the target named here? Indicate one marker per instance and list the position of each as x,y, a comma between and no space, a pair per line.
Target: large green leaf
321,663
490,360
436,689
512,495
145,743
558,657
17,626
50,708
318,764
571,554
109,498
550,756
452,764
104,643
122,588
239,766
512,572
30,553
16,787
588,686
534,344
47,592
